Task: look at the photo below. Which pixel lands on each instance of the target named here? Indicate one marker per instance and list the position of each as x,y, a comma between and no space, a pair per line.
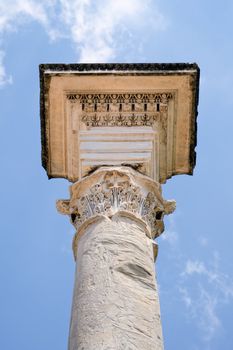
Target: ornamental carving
107,201
126,109
116,191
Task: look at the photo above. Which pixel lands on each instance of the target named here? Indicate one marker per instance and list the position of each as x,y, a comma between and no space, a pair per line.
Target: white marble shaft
117,212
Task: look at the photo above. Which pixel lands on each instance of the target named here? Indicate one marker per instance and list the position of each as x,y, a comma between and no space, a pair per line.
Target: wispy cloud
202,286
4,79
209,289
13,15
99,29
202,308
170,234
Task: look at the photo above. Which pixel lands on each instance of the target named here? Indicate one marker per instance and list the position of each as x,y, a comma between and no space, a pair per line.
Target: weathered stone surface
116,189
115,305
140,115
121,116
117,213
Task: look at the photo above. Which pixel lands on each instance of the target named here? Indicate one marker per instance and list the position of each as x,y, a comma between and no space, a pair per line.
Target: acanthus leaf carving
111,191
114,194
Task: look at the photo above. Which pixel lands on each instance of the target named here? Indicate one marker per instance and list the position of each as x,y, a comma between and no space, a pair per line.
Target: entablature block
143,116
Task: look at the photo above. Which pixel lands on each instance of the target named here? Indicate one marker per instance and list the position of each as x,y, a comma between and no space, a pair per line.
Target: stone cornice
109,67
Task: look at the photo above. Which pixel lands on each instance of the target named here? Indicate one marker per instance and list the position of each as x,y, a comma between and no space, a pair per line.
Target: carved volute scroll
113,190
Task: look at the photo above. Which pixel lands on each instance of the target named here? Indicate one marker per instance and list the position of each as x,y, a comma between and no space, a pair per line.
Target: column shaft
117,212
115,303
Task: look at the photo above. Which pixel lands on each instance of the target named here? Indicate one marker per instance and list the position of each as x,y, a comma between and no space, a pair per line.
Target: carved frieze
125,109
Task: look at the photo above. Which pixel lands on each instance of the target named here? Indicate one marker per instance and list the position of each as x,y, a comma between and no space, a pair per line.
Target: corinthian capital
112,190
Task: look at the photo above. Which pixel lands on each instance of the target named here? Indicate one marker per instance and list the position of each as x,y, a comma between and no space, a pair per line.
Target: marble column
117,213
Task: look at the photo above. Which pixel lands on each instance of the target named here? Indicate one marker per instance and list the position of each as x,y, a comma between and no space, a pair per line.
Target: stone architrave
117,213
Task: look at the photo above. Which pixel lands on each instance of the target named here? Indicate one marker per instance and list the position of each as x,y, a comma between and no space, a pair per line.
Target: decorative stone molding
122,109
114,190
113,115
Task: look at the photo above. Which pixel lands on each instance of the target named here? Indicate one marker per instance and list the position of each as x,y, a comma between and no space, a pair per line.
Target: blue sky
194,266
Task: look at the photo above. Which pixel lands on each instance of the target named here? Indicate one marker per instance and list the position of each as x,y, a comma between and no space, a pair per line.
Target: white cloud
170,237
170,234
220,281
4,79
202,308
194,267
209,289
15,13
209,321
99,29
186,297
